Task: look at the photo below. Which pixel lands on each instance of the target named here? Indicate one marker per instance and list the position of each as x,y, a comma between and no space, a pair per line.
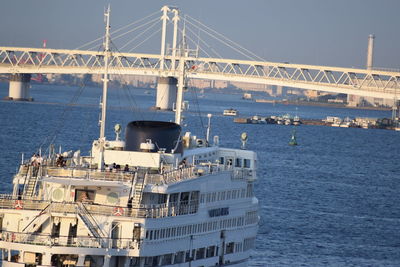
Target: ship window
215,224
219,196
221,160
229,248
208,197
168,232
166,259
223,195
228,194
243,193
249,190
202,197
238,162
84,195
200,253
55,231
187,257
173,231
5,254
162,233
15,255
179,231
213,197
179,257
210,251
233,194
246,163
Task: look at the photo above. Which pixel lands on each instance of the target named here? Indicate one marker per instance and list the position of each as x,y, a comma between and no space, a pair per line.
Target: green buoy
293,141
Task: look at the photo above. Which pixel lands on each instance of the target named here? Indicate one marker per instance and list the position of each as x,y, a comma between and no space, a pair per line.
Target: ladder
90,223
138,188
31,180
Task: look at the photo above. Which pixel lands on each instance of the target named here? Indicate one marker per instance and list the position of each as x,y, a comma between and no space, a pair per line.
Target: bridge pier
19,87
166,92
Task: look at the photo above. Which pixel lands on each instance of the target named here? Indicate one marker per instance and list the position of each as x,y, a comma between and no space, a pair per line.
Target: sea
333,200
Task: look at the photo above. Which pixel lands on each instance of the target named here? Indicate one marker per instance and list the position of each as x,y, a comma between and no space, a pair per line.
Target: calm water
331,201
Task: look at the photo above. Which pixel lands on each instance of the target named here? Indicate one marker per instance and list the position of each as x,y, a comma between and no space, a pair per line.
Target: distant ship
230,112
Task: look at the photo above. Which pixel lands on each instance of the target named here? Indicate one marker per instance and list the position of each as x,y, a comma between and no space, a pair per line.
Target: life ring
118,211
18,205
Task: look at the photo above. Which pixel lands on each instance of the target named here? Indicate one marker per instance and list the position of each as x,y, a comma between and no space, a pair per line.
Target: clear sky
333,33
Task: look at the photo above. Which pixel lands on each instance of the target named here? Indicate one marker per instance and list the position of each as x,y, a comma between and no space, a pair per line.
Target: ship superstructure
159,197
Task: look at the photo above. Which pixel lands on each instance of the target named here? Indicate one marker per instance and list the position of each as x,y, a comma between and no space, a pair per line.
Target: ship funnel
153,136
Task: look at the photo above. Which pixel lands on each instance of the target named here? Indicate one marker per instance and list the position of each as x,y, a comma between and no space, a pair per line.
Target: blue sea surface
333,200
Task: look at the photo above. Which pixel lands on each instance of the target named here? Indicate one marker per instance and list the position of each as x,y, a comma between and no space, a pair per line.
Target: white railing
68,241
138,211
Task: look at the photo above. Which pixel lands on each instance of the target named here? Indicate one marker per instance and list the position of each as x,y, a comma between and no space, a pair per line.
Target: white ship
157,198
230,112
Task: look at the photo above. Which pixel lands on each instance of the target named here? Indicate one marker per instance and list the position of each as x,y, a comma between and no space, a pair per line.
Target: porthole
58,194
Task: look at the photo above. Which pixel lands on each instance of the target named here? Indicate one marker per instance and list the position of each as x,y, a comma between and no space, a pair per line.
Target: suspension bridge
199,64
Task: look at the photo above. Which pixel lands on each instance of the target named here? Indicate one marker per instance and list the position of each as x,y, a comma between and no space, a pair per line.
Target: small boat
293,140
230,112
296,120
346,123
247,96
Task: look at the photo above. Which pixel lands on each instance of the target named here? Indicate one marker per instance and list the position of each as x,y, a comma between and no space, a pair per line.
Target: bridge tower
167,86
19,87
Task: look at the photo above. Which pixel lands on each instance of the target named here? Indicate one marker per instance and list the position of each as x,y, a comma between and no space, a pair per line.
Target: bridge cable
201,40
145,40
139,35
224,37
224,42
118,30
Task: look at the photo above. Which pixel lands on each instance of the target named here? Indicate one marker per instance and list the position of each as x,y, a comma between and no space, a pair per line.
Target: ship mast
105,88
181,77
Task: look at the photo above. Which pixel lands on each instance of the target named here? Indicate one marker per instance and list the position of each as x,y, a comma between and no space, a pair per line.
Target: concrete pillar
19,87
166,92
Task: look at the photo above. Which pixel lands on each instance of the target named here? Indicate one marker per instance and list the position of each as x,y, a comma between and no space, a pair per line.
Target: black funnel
164,135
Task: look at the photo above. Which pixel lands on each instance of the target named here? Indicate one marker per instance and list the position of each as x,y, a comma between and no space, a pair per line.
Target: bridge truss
374,83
